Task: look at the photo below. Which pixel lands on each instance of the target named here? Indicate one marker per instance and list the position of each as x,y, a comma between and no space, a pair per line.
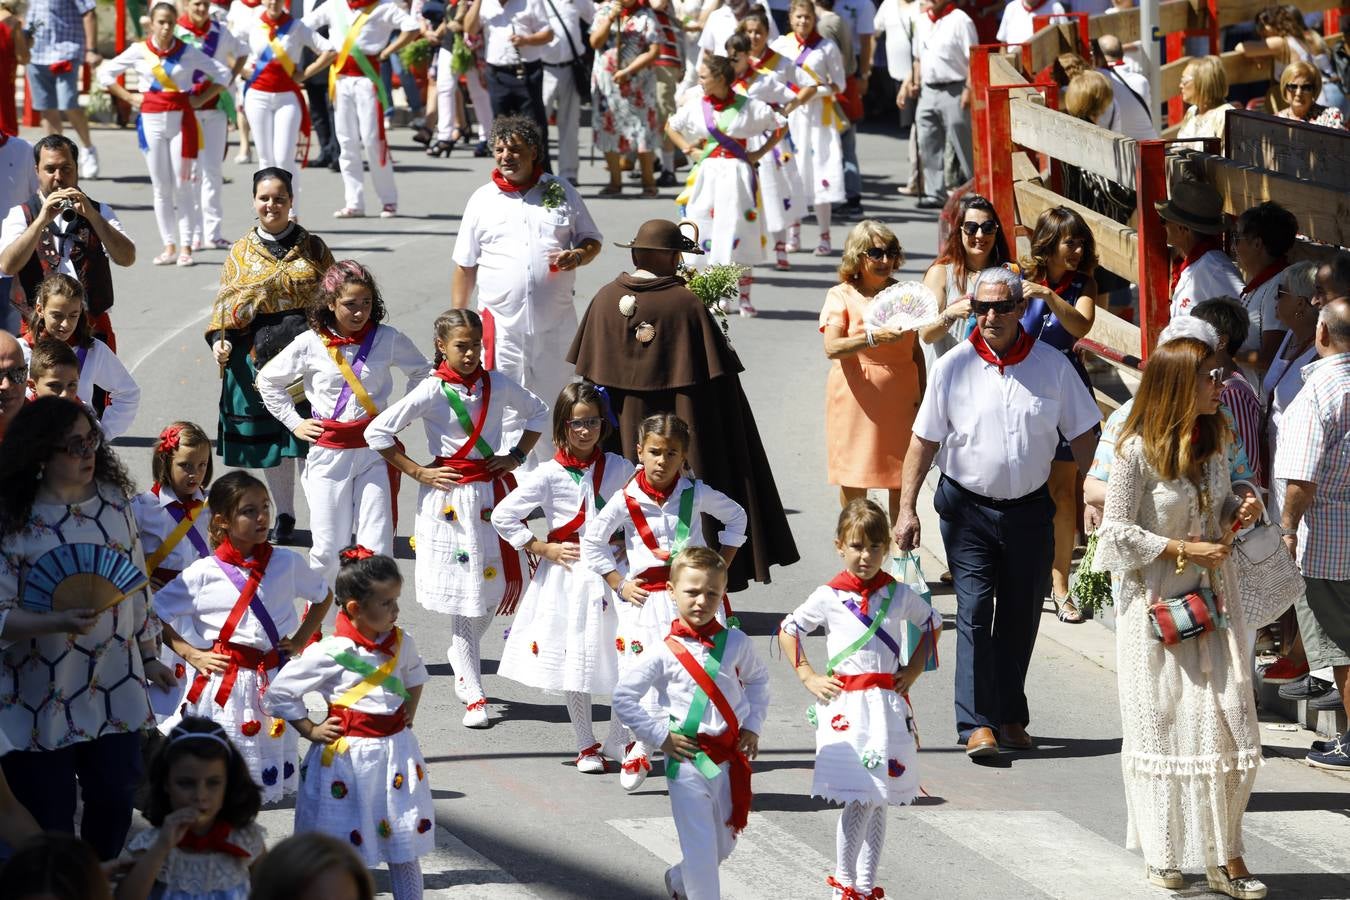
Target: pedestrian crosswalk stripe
767,861
1045,850
1318,837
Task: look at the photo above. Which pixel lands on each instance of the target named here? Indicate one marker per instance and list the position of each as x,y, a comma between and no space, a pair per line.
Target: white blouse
551,488
317,671
222,876
825,608
137,59
445,435
156,523
102,369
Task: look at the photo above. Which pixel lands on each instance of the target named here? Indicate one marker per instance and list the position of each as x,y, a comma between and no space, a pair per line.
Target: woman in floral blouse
626,38
1301,84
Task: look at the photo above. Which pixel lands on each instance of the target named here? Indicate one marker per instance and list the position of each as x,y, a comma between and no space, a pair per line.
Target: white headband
179,735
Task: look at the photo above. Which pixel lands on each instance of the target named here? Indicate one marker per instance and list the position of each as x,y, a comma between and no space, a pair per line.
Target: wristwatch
517,454
1288,532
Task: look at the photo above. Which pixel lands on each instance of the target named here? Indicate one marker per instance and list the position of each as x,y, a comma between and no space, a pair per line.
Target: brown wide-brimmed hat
661,234
1195,205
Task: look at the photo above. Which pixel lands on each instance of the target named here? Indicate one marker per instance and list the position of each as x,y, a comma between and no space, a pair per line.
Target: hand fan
88,576
902,307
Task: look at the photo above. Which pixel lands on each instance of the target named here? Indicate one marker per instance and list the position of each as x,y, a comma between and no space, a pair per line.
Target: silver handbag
1268,577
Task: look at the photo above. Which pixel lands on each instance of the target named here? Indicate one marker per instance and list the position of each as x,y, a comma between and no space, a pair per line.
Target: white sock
405,880
465,653
823,220
579,711
848,838
874,835
281,483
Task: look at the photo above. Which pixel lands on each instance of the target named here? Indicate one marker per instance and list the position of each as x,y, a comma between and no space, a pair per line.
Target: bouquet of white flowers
713,285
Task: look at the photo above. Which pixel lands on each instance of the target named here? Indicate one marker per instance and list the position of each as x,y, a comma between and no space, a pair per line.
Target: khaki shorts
1324,622
667,80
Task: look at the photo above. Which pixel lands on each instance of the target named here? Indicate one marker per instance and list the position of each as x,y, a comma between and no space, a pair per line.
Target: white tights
405,880
281,483
579,712
862,831
466,654
823,219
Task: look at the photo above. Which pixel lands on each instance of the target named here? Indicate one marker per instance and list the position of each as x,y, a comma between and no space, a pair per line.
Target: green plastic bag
908,571
461,57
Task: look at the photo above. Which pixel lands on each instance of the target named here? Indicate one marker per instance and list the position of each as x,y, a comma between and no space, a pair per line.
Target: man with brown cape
647,339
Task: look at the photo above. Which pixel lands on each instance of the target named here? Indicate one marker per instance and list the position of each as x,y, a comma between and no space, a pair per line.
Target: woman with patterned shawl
269,277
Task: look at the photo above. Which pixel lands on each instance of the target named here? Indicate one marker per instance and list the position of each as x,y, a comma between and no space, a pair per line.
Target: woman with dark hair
1284,37
1190,746
977,243
1229,318
345,362
1061,307
312,866
269,280
54,866
73,678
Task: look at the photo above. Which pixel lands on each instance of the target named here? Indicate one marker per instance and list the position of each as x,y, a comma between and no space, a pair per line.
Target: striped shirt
1314,447
1242,402
58,30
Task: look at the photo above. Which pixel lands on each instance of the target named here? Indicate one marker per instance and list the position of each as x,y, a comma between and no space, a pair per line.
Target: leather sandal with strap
1066,610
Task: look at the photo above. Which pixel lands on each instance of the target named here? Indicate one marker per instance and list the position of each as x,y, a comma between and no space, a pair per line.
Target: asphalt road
514,818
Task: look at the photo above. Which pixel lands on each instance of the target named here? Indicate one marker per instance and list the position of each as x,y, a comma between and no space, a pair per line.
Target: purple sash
730,144
256,605
80,354
193,534
358,364
867,623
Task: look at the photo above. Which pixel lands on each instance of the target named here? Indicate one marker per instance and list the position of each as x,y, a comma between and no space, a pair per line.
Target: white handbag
1268,577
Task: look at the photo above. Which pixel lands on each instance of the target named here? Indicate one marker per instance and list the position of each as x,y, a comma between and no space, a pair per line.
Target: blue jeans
1004,552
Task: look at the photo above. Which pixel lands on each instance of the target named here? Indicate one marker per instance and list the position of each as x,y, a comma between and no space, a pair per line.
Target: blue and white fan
80,576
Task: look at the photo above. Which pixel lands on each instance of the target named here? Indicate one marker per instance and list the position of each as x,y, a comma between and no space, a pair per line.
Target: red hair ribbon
356,553
168,439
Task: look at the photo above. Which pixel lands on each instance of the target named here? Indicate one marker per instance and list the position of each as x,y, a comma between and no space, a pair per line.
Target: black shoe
1306,688
930,203
422,135
334,166
480,150
665,179
321,162
1331,700
441,148
283,533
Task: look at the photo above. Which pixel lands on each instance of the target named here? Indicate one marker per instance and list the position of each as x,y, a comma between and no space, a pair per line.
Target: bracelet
871,339
1181,557
1288,532
517,454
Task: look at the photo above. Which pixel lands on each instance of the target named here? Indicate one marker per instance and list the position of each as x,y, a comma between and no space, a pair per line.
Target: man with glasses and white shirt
995,408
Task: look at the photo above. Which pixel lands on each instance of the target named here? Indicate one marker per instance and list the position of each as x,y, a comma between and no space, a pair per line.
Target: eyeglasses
15,375
83,447
1297,88
880,253
1215,376
590,423
973,228
998,307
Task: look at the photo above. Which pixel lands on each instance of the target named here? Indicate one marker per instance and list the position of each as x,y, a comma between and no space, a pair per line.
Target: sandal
823,248
167,258
650,191
1066,610
610,190
185,259
1243,887
348,212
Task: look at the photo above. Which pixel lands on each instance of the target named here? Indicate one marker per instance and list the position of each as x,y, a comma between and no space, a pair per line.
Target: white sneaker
591,761
89,163
635,769
475,714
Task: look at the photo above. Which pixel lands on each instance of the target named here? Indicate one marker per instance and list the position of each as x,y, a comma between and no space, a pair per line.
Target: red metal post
979,105
999,134
1154,257
1176,48
121,27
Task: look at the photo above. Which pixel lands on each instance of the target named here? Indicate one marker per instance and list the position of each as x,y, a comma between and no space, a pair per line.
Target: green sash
689,728
877,619
462,414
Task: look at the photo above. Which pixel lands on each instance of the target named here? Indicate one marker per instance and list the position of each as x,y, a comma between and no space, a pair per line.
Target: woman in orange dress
874,387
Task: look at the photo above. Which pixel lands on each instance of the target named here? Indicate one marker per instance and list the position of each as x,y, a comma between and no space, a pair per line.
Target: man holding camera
62,229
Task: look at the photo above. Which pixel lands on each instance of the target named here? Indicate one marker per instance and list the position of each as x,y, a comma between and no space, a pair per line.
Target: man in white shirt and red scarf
521,239
1261,242
994,411
1019,19
1193,219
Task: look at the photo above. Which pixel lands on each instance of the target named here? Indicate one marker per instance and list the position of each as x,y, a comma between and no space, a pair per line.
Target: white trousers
537,362
275,119
447,99
356,117
701,808
561,88
347,490
207,222
174,196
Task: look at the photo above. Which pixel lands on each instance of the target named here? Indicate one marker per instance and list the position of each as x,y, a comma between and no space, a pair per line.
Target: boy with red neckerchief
714,692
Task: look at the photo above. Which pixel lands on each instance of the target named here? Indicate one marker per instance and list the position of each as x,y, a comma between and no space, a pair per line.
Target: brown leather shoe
981,744
1014,736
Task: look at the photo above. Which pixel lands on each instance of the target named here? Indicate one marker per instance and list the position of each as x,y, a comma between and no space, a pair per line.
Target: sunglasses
590,423
83,447
998,308
1298,88
973,228
880,253
16,375
1215,376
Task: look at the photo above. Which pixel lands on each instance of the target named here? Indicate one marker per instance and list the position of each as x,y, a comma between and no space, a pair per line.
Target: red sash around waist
343,435
274,80
722,748
352,67
262,661
883,680
363,724
165,101
721,152
468,470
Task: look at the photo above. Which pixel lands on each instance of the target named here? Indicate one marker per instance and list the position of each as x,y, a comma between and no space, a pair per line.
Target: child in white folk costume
866,748
233,617
768,76
346,362
364,780
714,132
172,526
562,638
660,511
59,313
714,694
463,568
203,841
816,125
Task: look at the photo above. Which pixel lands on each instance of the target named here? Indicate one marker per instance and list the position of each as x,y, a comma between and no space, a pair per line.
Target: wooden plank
1002,71
1046,46
1242,12
1174,15
1117,245
1112,331
1296,149
1239,68
1024,169
1074,141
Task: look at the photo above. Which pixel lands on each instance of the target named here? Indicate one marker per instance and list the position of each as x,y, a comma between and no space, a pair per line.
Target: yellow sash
348,44
358,390
830,114
359,690
280,55
173,540
166,83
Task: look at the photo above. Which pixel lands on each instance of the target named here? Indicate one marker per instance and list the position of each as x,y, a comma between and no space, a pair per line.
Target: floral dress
626,118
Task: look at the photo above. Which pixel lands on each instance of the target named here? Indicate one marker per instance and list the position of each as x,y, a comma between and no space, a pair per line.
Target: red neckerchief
722,104
1265,275
703,634
847,581
1112,65
346,628
1064,281
185,21
214,841
451,376
568,461
162,54
273,26
226,553
935,14
506,186
659,497
187,506
359,4
811,39
1201,247
251,4
1016,353
334,339
1033,6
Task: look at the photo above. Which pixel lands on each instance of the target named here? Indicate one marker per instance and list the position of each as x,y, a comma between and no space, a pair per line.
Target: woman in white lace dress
1190,745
